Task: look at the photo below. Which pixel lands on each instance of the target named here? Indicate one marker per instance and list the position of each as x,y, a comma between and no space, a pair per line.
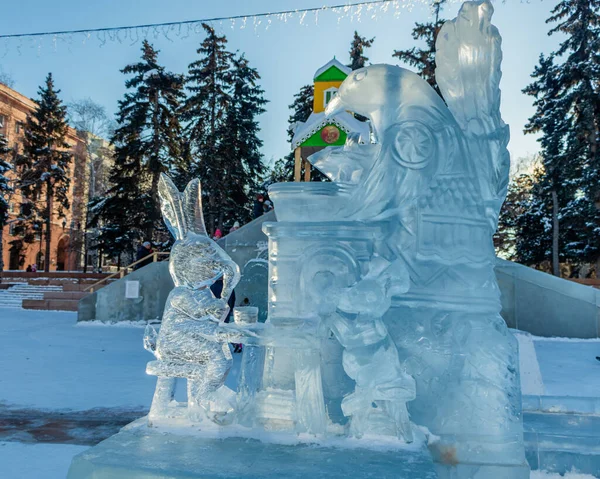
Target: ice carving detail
193,341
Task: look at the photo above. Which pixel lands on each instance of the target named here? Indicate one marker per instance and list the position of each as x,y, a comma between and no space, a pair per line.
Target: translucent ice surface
192,343
384,311
396,261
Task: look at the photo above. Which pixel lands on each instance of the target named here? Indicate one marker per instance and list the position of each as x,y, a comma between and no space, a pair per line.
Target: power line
280,13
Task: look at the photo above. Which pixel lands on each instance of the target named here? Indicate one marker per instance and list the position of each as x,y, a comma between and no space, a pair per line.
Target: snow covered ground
569,367
49,362
36,461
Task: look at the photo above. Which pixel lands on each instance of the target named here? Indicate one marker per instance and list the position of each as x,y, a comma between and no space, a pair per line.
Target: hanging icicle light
133,34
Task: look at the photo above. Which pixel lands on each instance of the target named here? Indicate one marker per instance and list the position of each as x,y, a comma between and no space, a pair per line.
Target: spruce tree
552,190
146,141
45,161
302,106
209,82
423,59
357,51
240,144
567,99
5,191
517,200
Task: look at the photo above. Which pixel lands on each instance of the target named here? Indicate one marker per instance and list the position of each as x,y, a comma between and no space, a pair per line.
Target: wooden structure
320,131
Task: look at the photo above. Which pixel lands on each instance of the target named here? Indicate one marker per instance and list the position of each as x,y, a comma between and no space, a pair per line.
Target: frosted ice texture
395,258
193,340
383,303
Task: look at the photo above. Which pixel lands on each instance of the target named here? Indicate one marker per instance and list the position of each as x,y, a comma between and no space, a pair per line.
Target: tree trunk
555,233
48,225
155,203
156,169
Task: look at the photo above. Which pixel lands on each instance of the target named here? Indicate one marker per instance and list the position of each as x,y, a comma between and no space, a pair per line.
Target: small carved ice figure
370,356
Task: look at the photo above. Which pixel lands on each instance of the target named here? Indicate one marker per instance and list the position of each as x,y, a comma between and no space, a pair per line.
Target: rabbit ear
170,205
192,208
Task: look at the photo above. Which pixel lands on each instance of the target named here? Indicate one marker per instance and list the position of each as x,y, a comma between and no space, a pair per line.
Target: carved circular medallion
414,144
330,134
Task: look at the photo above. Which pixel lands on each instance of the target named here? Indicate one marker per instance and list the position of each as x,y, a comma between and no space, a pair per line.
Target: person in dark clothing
217,289
144,250
259,206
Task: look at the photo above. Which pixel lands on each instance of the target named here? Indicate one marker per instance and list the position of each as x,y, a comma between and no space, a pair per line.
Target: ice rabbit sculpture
438,176
192,342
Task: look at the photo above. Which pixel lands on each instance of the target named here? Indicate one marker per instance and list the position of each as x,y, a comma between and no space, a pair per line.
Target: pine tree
146,140
209,82
567,100
302,106
46,159
423,59
240,144
357,51
551,191
5,191
515,205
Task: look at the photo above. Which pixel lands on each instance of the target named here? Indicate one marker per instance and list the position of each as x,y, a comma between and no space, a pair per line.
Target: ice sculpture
193,340
384,311
422,202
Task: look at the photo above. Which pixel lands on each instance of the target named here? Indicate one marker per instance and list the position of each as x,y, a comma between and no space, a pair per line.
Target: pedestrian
34,268
29,269
268,206
217,289
218,235
145,250
259,207
236,226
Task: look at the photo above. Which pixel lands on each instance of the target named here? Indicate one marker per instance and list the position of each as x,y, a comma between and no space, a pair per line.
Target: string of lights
133,34
203,20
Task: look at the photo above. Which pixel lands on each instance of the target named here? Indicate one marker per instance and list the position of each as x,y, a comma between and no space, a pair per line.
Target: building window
329,94
11,229
19,127
26,209
2,122
11,208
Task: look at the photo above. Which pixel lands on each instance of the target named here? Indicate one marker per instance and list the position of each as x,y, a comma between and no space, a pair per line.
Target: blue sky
286,54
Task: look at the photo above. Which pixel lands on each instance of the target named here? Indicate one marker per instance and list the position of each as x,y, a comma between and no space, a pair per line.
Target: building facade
67,233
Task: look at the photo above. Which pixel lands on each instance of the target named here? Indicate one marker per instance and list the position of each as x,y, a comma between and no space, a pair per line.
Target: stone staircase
55,291
16,293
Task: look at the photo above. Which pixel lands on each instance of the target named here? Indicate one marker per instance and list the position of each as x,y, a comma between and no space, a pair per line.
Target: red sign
330,134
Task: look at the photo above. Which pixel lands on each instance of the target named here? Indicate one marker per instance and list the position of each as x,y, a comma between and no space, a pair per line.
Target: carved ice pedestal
305,260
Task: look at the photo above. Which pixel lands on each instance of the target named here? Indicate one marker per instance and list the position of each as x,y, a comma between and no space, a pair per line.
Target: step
559,443
51,304
73,295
